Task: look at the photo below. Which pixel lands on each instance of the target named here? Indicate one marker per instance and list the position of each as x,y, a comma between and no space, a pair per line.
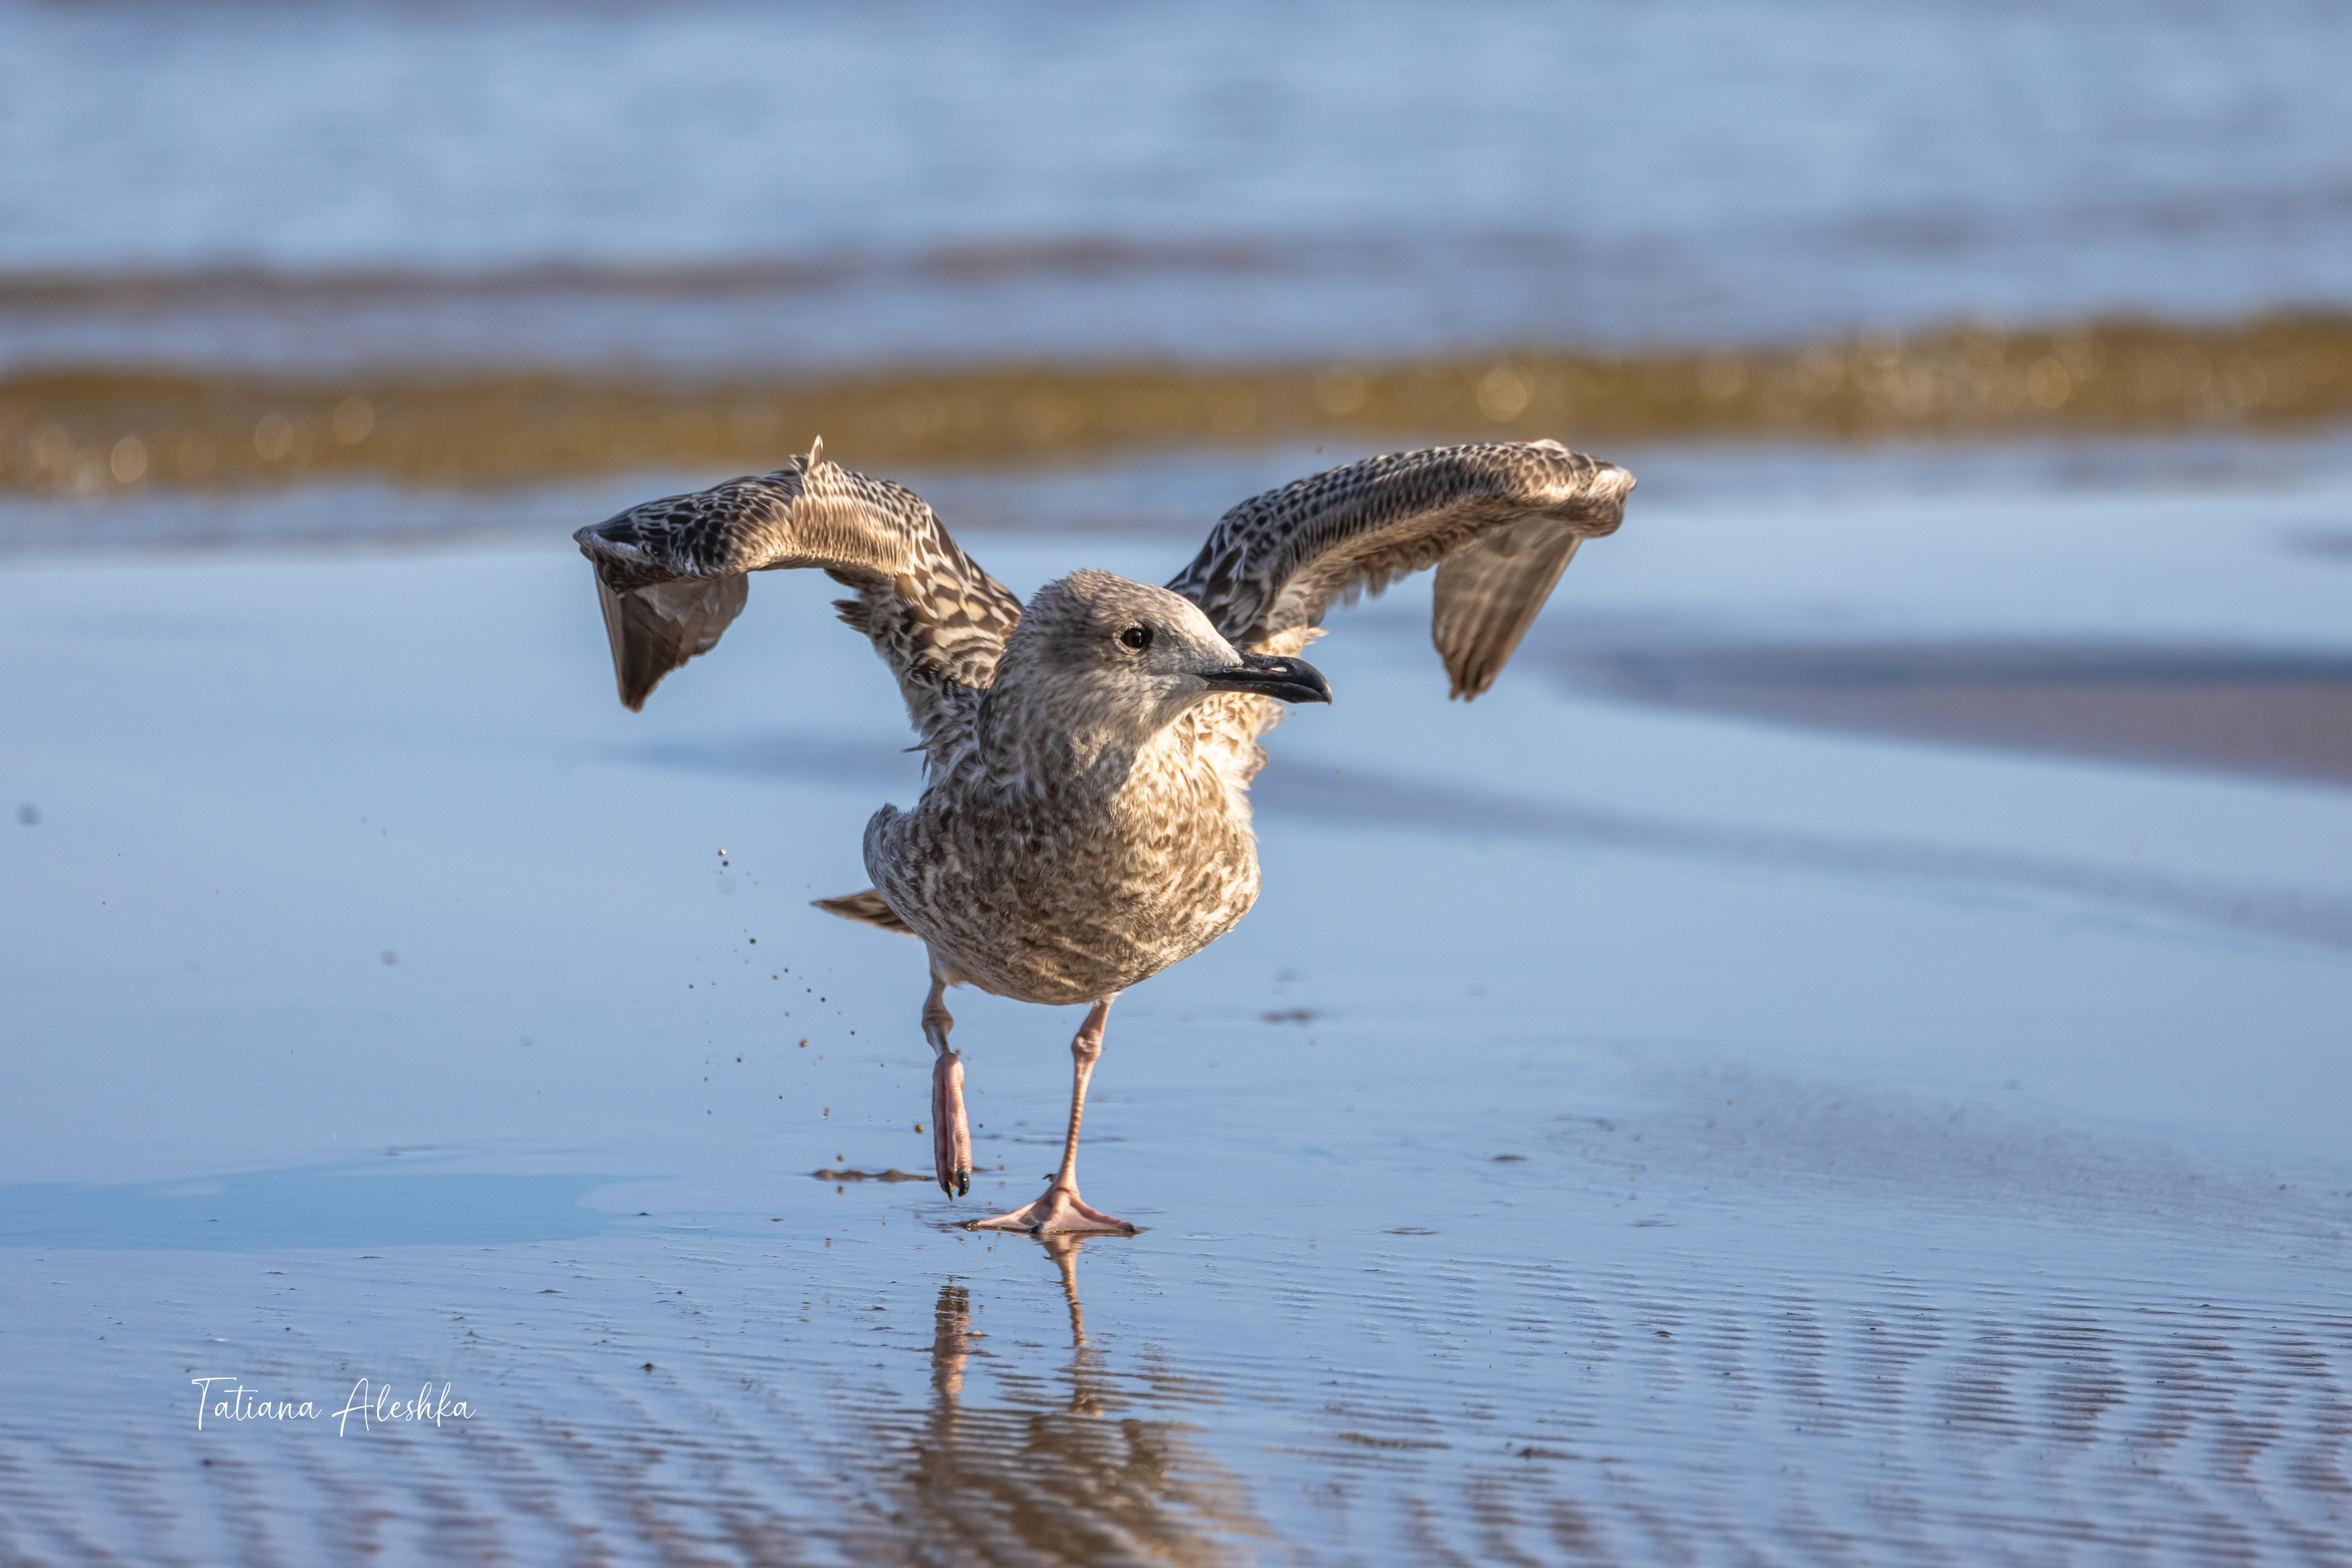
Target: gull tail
867,906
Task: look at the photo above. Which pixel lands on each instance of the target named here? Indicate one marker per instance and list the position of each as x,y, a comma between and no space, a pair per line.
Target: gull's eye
1136,636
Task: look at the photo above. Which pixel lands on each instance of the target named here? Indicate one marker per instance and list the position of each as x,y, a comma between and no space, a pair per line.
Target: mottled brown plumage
1498,521
1093,827
671,575
1087,821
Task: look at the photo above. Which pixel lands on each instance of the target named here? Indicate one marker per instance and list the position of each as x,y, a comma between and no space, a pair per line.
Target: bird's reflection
1049,1471
952,1341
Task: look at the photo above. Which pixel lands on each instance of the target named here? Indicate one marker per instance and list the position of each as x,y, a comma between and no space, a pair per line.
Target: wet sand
1733,1187
2273,713
1838,1058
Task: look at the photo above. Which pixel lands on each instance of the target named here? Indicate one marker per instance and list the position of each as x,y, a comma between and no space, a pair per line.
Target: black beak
1284,680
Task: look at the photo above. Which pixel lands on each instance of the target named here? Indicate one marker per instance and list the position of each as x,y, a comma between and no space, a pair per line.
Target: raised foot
1061,1209
950,1133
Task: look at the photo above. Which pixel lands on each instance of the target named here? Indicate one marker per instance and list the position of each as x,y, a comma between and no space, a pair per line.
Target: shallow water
1622,1133
724,185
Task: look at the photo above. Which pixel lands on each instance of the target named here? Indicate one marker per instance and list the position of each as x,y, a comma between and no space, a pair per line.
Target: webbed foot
1060,1210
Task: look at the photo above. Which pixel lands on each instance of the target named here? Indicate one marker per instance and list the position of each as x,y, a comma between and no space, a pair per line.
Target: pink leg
1061,1208
951,1131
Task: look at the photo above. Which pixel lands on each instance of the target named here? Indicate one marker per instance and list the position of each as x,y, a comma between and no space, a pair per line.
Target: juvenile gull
1086,818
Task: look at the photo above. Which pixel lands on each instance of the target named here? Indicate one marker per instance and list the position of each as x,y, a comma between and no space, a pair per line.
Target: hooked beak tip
1283,679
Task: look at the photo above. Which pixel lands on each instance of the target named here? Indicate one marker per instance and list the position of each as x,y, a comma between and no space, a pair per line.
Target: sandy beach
1625,1131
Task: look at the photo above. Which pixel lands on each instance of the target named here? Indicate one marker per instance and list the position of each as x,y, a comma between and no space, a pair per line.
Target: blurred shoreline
91,429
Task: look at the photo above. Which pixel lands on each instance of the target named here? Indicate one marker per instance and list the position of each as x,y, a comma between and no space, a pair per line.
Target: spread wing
671,575
1498,521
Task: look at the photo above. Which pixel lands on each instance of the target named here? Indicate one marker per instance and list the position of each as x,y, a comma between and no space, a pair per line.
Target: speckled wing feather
1498,521
671,576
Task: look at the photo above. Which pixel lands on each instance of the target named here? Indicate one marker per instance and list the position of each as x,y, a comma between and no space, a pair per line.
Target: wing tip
603,549
1469,685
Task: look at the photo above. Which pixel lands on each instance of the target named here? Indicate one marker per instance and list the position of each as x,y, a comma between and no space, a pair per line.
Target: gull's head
1127,659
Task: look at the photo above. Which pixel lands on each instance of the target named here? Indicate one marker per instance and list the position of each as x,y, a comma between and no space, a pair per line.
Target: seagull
1086,820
